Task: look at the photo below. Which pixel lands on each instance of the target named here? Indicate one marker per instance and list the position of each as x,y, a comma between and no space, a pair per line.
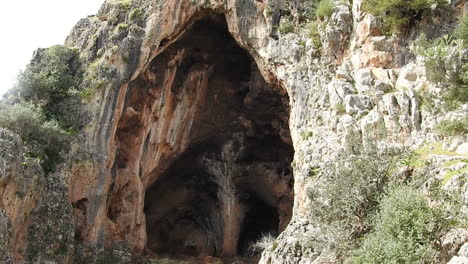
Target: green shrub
136,14
306,135
314,34
457,91
454,127
48,107
125,4
404,231
347,193
446,63
324,8
461,32
265,242
398,13
286,27
435,53
50,75
121,27
45,139
340,108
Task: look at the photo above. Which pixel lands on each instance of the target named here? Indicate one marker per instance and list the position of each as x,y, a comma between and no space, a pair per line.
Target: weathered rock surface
198,110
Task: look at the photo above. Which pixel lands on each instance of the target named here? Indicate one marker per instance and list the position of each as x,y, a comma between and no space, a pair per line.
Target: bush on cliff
398,13
324,8
446,63
50,75
347,192
405,230
50,78
453,127
45,138
461,32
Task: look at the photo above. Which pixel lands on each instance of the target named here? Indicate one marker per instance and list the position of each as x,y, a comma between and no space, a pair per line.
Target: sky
30,24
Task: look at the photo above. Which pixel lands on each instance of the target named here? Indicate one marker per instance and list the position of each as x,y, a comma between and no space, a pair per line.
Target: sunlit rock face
204,147
187,151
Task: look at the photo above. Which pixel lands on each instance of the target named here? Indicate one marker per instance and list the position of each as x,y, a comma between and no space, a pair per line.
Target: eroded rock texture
195,107
209,140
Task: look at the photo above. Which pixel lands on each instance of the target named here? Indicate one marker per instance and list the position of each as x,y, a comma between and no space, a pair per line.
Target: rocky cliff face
206,122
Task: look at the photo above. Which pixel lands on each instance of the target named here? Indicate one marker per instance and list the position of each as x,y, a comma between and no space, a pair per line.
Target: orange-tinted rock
198,88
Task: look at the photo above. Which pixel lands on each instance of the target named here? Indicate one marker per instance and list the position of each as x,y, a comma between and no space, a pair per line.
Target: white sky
30,24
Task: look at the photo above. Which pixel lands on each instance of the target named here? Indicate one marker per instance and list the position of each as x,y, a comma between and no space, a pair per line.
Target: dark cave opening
179,211
261,219
233,182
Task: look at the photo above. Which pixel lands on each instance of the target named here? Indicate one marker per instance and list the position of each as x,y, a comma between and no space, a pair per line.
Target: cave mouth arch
215,148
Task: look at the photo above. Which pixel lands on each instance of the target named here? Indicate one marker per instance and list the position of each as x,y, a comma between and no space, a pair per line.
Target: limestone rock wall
359,83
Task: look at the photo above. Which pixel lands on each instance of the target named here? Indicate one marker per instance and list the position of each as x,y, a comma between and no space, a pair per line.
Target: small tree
45,139
446,63
50,75
398,13
453,127
405,230
347,192
462,30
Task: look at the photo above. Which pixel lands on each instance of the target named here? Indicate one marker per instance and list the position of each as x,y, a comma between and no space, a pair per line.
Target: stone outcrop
205,125
207,113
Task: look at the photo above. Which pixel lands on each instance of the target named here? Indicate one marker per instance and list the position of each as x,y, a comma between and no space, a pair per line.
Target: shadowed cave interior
233,183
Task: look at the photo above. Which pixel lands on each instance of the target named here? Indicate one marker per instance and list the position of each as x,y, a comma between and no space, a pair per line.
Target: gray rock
10,152
462,149
408,77
382,86
454,239
415,113
364,79
5,236
382,43
337,31
389,106
458,260
463,252
455,143
337,90
357,103
458,183
371,123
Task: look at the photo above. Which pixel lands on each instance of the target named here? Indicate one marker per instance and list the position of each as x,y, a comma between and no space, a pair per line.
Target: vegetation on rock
348,192
45,138
453,127
286,27
314,34
370,212
461,32
324,8
364,208
399,13
265,242
51,76
405,230
46,109
446,63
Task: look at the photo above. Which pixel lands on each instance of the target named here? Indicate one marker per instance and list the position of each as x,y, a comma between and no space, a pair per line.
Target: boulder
407,78
337,90
364,80
357,103
462,149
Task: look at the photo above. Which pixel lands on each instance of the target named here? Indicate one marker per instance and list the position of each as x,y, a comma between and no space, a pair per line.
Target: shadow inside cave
233,184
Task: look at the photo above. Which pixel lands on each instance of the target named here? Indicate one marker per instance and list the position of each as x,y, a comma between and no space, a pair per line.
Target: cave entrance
231,182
